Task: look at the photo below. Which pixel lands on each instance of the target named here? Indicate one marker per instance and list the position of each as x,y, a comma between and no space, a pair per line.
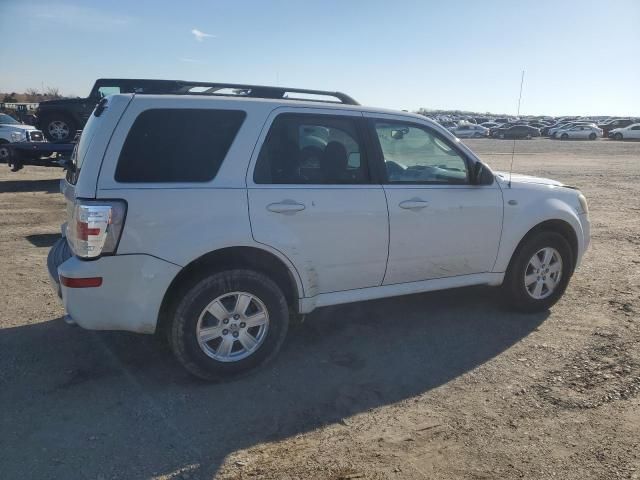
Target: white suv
212,218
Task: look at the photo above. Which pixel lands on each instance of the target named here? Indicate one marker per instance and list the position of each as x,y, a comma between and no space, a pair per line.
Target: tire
58,128
190,316
618,136
564,136
4,152
592,136
517,293
59,253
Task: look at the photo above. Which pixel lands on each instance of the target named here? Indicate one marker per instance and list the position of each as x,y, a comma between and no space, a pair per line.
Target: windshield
8,120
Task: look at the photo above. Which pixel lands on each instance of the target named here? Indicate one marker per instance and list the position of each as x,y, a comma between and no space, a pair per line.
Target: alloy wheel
58,129
543,273
233,326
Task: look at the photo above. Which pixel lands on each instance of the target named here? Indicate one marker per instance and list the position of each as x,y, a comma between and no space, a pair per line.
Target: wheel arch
562,227
53,112
253,258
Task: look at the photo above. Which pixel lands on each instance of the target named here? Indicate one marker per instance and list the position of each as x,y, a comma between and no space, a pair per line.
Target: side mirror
481,175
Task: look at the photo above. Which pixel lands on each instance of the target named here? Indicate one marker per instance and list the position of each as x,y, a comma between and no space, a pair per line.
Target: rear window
177,145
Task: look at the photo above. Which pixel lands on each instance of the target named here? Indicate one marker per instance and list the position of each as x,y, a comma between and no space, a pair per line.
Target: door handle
287,207
414,204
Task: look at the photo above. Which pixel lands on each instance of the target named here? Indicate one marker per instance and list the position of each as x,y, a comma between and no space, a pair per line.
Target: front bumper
585,223
129,298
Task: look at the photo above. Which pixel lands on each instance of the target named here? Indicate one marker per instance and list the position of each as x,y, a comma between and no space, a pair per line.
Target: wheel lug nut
225,321
242,324
236,316
225,331
235,334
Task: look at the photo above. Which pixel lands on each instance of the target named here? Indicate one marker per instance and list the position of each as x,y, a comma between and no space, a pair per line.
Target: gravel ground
440,386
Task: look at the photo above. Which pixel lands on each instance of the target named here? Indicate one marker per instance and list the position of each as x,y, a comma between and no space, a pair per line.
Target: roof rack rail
258,91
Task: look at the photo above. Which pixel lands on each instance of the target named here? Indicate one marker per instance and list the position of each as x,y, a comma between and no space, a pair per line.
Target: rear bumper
129,297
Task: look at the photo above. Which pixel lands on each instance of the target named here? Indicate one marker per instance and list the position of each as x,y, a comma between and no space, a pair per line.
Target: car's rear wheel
564,136
592,136
229,323
58,129
618,136
539,272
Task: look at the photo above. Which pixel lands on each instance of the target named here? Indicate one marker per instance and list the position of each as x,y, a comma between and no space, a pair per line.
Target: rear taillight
95,227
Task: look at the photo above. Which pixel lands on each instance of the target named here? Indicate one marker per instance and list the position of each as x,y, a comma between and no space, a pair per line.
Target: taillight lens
95,227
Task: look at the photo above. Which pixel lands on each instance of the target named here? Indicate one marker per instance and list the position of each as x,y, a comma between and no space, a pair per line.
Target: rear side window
177,145
312,149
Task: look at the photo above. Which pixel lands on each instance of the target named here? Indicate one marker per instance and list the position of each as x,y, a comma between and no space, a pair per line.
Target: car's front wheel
592,136
564,136
618,136
539,272
228,323
4,151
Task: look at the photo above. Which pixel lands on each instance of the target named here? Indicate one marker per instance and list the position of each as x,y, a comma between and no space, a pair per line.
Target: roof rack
184,87
259,91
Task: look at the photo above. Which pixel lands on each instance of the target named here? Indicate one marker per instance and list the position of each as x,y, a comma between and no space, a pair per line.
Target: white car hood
518,178
17,127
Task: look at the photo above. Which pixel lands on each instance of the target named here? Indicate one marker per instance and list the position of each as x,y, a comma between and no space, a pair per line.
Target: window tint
312,149
416,155
177,145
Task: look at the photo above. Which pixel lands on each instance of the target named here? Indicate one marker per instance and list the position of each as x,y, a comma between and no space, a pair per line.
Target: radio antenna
513,151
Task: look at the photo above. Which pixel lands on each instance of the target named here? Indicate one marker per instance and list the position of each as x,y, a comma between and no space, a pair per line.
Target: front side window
414,154
177,145
312,149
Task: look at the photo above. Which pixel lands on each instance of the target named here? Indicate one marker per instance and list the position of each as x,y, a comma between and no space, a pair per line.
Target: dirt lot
439,386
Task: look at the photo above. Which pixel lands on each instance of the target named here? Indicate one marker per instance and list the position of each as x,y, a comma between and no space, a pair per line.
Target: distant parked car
517,131
553,132
617,123
470,130
590,132
490,124
449,125
632,131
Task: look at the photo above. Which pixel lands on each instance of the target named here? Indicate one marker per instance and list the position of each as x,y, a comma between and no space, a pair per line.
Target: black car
517,131
545,130
60,119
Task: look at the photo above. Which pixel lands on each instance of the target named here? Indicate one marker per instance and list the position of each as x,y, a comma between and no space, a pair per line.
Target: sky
579,57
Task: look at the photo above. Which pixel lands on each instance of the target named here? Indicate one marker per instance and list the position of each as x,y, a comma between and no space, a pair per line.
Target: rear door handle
414,204
286,207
